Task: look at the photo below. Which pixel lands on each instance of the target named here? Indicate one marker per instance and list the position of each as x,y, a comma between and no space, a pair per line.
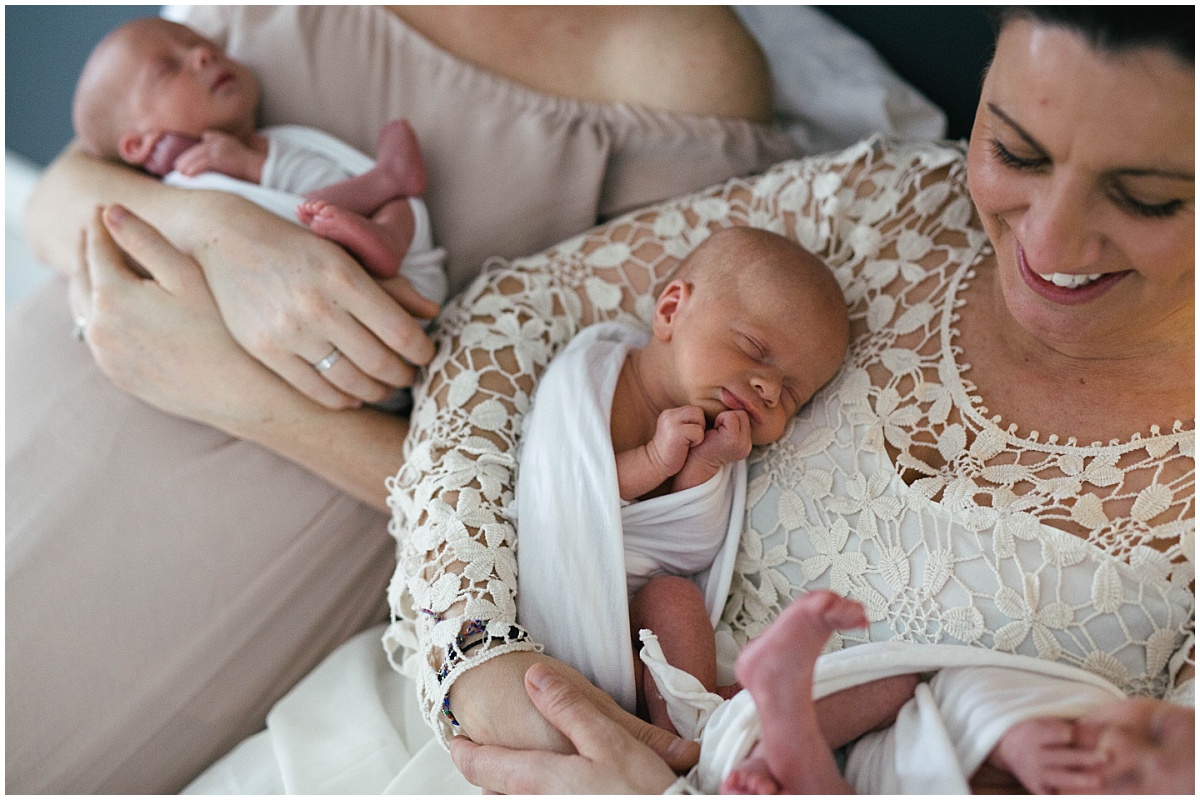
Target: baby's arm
1043,755
644,468
727,442
220,152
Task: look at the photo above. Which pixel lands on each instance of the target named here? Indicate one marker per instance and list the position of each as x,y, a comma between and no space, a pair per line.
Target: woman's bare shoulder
686,59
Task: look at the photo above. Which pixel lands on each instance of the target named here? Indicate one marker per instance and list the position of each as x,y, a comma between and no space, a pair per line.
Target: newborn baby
157,95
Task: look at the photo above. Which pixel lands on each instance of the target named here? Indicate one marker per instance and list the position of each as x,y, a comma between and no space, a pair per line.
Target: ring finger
339,370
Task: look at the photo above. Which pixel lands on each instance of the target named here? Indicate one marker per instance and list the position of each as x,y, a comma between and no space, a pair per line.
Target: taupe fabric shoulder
578,162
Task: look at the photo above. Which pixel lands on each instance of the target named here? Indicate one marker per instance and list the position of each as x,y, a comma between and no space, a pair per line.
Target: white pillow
831,88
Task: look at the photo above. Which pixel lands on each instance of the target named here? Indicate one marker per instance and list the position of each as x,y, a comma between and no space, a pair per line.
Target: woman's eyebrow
1029,140
1131,172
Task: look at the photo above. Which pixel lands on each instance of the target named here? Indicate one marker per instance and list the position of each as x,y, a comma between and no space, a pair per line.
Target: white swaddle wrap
301,159
941,736
581,554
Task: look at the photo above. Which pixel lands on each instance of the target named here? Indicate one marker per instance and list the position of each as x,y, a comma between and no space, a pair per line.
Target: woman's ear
135,148
672,300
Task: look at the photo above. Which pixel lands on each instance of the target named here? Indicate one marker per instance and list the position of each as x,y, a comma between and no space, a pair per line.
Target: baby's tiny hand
677,431
729,439
220,152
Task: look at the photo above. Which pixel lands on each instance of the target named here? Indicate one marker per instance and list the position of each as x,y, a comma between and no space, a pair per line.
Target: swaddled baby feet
398,154
777,667
379,243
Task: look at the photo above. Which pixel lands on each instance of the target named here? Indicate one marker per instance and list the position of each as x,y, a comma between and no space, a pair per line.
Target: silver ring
79,329
328,361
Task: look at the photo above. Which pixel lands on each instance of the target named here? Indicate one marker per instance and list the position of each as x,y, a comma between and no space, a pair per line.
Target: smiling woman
1002,463
1092,223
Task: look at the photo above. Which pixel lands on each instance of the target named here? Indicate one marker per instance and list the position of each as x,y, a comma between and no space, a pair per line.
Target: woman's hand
608,758
155,330
1149,746
288,296
291,299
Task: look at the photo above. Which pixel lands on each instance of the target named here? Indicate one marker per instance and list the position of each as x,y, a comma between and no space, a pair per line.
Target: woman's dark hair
1116,29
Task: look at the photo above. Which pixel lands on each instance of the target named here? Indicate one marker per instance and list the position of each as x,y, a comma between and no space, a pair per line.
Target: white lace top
994,537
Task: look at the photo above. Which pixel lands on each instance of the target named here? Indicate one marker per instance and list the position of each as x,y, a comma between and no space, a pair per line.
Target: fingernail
540,676
117,213
680,750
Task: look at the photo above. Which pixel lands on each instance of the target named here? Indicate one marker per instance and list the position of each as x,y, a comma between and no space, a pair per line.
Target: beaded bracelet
463,645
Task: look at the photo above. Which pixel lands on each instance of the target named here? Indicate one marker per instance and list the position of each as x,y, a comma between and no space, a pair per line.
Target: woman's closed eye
1010,159
1154,210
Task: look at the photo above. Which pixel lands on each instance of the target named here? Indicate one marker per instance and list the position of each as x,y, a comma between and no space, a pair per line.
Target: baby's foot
777,669
399,154
374,245
791,643
750,777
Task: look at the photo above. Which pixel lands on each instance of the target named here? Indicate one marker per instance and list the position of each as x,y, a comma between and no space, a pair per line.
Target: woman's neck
1104,392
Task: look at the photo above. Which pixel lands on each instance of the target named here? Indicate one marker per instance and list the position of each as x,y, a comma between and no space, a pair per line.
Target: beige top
578,162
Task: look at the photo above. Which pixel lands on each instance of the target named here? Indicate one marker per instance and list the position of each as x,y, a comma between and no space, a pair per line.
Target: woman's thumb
143,249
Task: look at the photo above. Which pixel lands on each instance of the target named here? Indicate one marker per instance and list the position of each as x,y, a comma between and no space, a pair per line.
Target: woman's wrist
491,706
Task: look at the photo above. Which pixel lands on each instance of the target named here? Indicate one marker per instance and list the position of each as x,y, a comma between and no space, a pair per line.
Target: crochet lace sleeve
453,594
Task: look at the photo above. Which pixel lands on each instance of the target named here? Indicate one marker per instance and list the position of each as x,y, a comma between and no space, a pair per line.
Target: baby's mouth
732,401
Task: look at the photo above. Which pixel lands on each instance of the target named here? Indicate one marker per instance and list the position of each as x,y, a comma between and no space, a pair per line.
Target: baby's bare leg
379,243
399,171
673,608
777,668
846,715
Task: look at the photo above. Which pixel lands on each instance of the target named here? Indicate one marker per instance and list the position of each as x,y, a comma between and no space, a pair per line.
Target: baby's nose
203,55
768,386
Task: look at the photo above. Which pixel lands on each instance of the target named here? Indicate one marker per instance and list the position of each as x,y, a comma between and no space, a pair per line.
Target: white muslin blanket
581,554
941,736
301,170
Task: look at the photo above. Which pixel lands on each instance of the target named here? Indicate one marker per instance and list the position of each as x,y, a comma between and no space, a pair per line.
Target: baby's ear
670,302
135,148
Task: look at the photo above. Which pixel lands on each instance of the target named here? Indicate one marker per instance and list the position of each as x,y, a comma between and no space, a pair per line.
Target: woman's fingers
119,232
409,298
379,313
609,759
600,739
504,771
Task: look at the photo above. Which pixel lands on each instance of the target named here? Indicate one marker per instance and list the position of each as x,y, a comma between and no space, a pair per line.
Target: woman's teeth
1066,281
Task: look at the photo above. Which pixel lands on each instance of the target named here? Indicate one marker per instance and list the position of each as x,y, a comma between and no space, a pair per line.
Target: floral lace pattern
894,486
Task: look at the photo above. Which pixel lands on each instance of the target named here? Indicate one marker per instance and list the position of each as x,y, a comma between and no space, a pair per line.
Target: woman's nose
1057,231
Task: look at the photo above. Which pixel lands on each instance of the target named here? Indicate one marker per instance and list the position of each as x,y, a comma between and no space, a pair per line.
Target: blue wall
44,49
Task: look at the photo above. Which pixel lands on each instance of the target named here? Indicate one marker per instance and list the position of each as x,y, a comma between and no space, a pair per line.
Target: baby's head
150,77
751,321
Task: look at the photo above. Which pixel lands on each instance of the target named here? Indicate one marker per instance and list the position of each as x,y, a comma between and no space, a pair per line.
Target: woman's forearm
75,183
356,450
